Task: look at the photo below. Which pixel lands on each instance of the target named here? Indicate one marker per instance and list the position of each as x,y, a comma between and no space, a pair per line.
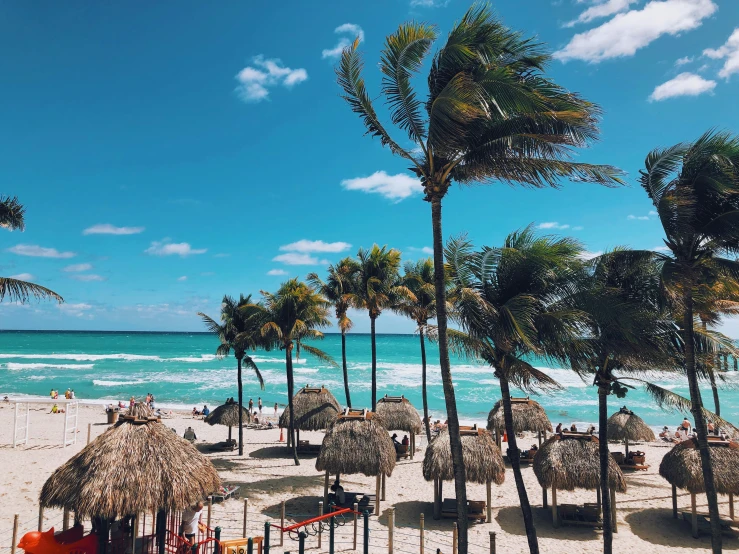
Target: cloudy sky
171,154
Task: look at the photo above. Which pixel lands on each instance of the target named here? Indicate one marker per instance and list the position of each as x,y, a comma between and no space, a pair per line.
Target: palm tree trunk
423,386
290,388
455,439
700,423
346,373
714,388
374,363
514,456
604,455
241,407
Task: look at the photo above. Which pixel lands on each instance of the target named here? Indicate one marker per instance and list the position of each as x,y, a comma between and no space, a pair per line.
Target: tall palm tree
335,289
513,302
491,115
239,332
375,289
292,314
12,214
420,306
695,190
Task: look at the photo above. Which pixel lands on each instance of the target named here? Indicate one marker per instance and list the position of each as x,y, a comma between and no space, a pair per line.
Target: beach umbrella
682,468
227,414
625,426
315,409
483,463
357,442
571,461
528,415
399,415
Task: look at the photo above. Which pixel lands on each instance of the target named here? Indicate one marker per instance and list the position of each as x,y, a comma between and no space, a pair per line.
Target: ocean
181,370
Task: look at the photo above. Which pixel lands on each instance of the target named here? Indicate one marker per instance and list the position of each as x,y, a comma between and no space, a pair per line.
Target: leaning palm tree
491,115
695,190
239,332
375,289
513,302
12,214
420,306
291,315
338,284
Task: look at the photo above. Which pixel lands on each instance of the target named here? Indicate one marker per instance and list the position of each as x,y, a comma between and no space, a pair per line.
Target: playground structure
22,418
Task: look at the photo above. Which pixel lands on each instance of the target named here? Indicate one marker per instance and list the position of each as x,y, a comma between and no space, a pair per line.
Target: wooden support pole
492,542
210,511
674,501
65,519
377,495
89,432
133,535
384,477
489,501
246,511
555,514
325,489
544,497
695,515
597,498
422,539
320,527
539,439
614,521
15,534
731,506
282,522
390,529
40,518
455,536
356,511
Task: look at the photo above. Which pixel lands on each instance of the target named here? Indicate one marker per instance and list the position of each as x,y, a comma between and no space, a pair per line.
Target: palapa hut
483,463
315,409
682,468
227,414
570,461
137,466
399,415
528,415
357,442
626,426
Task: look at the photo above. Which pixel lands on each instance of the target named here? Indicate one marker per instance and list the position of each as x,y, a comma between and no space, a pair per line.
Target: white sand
267,476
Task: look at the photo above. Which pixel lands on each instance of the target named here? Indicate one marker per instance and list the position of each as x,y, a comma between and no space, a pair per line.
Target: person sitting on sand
558,430
121,405
205,411
591,429
665,434
337,495
54,409
396,444
132,402
190,434
195,411
573,428
686,424
406,441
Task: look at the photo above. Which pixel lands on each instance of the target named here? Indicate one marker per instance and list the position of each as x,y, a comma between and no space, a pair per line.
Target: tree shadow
297,508
277,452
510,520
657,526
289,483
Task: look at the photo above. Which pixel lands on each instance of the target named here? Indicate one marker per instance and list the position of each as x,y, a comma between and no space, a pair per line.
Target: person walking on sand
259,405
251,405
275,409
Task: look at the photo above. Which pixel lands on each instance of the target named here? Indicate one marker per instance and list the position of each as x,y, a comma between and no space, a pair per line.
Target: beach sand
267,476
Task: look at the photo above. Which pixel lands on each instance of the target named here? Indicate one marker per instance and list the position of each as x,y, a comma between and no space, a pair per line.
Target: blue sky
171,154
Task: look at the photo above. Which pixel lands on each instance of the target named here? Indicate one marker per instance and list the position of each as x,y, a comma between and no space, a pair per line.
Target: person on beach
51,394
191,521
573,428
132,402
195,411
275,409
665,434
259,405
71,394
686,424
190,434
558,429
406,441
591,429
205,411
251,405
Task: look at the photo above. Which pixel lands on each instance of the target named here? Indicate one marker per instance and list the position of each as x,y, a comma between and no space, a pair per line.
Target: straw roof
315,409
399,415
573,463
227,414
625,426
482,459
134,467
682,467
527,416
140,410
357,446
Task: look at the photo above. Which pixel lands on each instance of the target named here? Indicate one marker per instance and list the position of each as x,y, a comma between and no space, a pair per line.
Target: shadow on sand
657,526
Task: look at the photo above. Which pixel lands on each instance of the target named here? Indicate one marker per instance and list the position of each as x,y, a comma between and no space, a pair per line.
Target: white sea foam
16,366
101,383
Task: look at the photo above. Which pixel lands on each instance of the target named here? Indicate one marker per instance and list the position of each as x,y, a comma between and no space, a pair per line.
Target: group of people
205,412
573,429
397,444
68,394
259,407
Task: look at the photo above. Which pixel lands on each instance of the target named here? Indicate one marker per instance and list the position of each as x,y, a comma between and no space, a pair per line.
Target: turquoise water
180,369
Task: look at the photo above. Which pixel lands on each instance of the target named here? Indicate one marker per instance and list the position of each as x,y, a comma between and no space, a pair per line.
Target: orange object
282,439
505,436
37,542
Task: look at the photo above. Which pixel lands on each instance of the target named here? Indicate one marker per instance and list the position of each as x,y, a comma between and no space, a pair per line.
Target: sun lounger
401,451
305,447
226,492
225,446
475,509
587,515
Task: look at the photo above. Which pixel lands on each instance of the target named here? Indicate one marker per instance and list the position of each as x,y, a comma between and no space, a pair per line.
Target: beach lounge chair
475,509
189,434
305,447
728,527
226,492
588,515
225,446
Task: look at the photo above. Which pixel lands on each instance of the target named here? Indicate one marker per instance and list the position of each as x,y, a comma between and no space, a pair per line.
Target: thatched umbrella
483,463
315,409
227,414
528,415
570,461
682,468
399,415
137,466
626,426
357,442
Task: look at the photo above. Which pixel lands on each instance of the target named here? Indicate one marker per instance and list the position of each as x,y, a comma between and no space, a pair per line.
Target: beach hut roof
137,466
574,463
625,425
528,415
482,459
357,444
227,414
315,409
399,414
681,466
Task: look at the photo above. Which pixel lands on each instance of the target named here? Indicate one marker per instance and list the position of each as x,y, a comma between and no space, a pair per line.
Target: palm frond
249,362
320,354
22,291
12,213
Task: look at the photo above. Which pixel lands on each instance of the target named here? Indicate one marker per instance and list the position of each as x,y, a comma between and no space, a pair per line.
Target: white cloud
353,30
685,84
638,217
652,212
88,277
39,251
424,249
165,248
552,225
683,61
730,52
590,255
277,272
315,246
108,229
578,228
78,267
395,187
255,81
662,248
603,8
183,278
77,310
627,32
23,277
296,258
429,3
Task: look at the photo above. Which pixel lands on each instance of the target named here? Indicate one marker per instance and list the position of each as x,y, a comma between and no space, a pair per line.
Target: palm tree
512,302
491,115
12,214
292,314
376,288
695,190
338,285
420,306
239,332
